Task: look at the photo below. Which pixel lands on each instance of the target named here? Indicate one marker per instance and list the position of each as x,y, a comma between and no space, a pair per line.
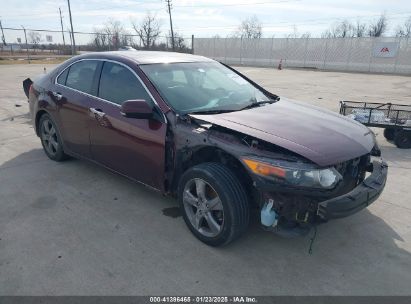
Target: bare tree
344,29
404,30
294,34
360,29
34,39
111,36
100,40
341,29
148,30
250,28
378,27
306,35
179,42
327,34
115,33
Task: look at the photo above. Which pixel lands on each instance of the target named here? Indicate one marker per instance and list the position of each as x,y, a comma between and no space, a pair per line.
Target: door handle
98,112
100,116
57,95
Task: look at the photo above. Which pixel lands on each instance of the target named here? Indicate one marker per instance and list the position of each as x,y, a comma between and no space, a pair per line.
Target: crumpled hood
324,137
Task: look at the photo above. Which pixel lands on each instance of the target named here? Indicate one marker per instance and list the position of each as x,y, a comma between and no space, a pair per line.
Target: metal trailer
394,118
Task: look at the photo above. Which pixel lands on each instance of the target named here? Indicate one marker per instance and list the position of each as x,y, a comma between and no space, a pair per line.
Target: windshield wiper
252,105
257,104
212,112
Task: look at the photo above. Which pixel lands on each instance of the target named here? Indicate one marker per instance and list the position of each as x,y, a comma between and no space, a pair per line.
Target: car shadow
362,250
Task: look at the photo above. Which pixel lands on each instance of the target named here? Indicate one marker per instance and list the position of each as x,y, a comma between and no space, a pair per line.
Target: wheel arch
39,114
204,154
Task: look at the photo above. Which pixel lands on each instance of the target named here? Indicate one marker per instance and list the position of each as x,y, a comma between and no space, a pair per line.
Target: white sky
205,18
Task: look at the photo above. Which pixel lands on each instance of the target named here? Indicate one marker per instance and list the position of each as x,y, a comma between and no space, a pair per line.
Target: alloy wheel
203,207
49,137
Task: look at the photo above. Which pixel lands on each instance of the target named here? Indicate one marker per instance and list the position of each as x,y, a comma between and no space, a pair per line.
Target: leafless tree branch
404,30
378,27
148,30
250,28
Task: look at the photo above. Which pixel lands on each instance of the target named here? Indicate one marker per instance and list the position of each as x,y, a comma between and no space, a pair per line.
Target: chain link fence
33,43
369,54
341,54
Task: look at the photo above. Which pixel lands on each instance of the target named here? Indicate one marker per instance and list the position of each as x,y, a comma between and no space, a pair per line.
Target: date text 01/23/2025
203,299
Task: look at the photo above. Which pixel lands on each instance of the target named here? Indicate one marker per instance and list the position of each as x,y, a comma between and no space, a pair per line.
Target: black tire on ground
403,139
389,133
233,199
51,139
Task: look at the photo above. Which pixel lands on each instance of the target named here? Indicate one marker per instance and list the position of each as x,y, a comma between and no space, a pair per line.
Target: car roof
150,57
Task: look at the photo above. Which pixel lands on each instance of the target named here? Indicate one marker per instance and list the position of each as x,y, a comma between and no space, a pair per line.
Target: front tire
51,139
214,204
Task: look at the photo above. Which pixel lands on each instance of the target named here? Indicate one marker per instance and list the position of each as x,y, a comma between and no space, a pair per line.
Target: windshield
202,87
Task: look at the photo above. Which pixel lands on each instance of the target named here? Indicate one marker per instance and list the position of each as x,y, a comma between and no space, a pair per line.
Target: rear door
74,89
130,146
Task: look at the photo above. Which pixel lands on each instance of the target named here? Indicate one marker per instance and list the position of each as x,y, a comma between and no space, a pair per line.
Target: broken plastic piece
268,216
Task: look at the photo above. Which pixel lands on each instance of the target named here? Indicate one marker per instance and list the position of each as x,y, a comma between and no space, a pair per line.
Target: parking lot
74,228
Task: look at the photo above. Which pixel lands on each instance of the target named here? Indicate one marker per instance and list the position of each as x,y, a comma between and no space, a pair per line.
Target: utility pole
62,29
68,30
73,45
27,47
171,23
3,38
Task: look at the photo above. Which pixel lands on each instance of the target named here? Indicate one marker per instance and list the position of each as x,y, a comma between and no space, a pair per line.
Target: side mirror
138,108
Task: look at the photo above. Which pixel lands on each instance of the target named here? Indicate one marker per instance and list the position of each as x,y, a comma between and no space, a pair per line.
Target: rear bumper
359,198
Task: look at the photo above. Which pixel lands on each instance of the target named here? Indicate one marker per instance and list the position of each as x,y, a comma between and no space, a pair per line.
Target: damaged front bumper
359,198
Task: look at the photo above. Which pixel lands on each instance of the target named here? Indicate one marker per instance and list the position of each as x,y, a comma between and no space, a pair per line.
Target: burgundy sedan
194,128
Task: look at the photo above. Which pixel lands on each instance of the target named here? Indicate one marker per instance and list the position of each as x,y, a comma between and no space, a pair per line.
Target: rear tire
403,139
389,133
214,204
51,139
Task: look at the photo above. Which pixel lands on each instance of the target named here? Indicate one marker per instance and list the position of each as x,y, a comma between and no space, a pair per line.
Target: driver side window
118,84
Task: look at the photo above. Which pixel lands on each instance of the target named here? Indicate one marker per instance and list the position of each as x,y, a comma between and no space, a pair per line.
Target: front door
133,147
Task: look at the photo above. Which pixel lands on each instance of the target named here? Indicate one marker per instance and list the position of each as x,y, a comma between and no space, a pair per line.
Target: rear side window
62,78
118,84
81,75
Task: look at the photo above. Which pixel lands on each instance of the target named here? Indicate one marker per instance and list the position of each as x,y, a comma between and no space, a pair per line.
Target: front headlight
292,174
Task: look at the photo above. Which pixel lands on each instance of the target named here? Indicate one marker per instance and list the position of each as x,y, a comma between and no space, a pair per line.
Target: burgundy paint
133,147
321,136
136,147
136,106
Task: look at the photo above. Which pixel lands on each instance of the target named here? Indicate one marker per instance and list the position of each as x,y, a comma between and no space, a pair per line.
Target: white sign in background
386,49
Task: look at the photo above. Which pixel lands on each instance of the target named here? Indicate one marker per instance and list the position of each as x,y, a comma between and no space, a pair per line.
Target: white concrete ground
76,229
